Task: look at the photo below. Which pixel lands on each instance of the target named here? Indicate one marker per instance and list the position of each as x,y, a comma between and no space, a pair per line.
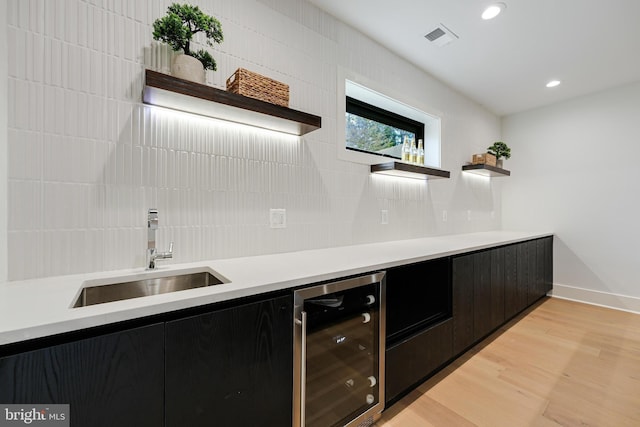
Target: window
371,129
371,125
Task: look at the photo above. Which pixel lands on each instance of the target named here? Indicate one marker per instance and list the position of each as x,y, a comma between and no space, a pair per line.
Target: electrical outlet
444,216
278,218
468,215
384,216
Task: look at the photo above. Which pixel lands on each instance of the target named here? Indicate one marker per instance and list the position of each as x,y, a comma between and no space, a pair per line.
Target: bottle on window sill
406,150
420,155
414,152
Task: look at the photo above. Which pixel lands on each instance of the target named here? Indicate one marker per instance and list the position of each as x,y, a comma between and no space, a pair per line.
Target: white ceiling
504,63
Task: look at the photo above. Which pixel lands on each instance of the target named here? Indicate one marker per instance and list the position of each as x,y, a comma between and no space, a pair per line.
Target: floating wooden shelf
171,92
409,170
485,170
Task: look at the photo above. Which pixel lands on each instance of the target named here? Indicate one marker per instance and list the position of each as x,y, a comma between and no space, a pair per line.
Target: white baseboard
604,299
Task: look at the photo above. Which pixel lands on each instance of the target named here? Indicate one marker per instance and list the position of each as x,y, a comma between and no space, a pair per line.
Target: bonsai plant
500,150
179,26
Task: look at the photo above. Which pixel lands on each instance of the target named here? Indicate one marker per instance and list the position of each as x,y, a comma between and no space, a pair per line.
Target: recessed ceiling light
553,83
493,10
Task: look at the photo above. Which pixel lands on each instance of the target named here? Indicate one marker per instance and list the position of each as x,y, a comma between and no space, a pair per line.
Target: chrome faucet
152,252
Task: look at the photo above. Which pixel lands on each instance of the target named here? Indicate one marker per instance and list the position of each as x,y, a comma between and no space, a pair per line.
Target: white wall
3,144
87,159
575,171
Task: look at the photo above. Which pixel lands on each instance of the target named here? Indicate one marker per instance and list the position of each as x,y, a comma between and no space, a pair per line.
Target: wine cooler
339,332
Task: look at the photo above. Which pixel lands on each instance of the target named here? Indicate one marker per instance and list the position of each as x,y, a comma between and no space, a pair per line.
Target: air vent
435,34
441,36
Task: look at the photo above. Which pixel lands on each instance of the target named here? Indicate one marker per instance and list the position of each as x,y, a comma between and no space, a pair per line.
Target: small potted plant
500,150
177,29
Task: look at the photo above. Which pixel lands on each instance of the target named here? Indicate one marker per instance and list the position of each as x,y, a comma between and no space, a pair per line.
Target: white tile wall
87,159
4,136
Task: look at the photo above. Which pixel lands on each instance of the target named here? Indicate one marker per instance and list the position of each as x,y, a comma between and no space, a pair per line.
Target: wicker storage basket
254,85
484,159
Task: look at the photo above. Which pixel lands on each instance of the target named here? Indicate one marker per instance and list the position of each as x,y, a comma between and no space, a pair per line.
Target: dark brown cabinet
493,285
229,367
544,265
478,296
463,300
525,261
487,288
497,313
483,294
512,288
409,362
232,367
528,273
110,380
418,323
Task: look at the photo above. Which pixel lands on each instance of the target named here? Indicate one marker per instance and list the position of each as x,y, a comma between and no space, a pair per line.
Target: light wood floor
561,364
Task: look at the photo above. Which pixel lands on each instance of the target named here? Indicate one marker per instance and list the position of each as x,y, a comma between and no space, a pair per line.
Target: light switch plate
278,218
384,216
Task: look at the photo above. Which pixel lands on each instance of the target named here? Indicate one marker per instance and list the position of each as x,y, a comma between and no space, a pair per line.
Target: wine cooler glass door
340,352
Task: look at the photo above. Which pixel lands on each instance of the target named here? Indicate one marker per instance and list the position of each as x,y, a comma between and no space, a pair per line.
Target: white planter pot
188,68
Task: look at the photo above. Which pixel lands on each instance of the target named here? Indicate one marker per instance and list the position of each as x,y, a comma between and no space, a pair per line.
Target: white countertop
42,307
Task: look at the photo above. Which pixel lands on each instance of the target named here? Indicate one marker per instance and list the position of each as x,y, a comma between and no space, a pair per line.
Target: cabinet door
528,273
109,380
535,274
232,367
482,301
524,275
463,309
497,287
544,265
548,263
512,288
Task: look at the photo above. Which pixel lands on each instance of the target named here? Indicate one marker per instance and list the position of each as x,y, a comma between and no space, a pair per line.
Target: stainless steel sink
99,292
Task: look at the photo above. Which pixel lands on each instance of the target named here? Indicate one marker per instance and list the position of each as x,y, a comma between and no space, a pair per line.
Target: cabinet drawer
412,360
